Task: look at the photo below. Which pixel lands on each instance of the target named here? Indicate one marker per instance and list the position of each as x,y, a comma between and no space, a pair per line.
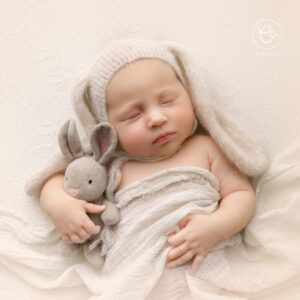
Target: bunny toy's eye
90,181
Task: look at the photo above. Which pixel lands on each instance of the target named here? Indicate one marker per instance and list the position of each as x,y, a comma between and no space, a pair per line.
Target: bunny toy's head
86,176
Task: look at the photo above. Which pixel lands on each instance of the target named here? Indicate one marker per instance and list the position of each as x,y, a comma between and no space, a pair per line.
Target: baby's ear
103,142
69,142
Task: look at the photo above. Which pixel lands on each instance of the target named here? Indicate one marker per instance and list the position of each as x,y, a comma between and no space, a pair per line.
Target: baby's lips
72,192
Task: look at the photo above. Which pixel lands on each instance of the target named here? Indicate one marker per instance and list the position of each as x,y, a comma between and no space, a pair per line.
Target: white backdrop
46,45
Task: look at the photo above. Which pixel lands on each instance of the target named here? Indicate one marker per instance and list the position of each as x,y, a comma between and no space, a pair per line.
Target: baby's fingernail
170,232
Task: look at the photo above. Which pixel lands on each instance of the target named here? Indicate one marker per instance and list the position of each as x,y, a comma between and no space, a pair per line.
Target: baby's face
149,108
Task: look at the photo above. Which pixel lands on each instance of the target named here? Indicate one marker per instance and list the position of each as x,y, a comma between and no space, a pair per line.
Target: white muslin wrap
135,262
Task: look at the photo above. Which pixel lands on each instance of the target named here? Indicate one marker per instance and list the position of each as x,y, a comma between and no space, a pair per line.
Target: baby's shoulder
203,144
198,144
195,151
197,140
201,150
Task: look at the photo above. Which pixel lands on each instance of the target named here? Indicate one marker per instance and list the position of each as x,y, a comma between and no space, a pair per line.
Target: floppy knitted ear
82,106
248,157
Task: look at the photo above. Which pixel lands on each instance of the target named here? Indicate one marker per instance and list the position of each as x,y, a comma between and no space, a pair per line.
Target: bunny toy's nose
72,192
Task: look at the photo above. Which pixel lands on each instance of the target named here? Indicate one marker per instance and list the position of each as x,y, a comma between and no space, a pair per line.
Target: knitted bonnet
90,94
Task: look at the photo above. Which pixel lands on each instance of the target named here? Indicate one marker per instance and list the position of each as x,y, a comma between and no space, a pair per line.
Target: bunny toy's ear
103,142
69,142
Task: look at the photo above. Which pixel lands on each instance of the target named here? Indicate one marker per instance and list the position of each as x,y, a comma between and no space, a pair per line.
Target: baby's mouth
163,138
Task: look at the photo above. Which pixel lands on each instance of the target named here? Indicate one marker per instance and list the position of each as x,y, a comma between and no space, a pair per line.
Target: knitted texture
116,57
90,105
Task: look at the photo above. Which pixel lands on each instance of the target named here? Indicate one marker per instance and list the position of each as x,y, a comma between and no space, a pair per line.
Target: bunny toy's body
86,178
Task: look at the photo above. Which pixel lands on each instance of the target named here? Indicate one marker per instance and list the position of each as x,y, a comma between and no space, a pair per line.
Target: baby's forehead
141,75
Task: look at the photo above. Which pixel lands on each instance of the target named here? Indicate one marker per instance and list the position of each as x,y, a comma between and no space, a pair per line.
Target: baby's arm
238,200
67,213
199,232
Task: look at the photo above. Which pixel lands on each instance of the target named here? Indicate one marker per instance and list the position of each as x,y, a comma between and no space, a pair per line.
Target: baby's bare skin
140,113
153,116
68,214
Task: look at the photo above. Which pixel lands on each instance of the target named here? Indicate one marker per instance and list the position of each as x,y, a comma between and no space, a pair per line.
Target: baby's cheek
131,138
185,119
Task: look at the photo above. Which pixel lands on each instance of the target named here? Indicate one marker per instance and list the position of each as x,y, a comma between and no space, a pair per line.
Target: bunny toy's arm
110,216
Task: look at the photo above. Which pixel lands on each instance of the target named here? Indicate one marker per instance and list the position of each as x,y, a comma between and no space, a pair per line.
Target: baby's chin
163,153
159,152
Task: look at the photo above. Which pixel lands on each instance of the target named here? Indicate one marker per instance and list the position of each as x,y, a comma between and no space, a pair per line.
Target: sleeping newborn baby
183,195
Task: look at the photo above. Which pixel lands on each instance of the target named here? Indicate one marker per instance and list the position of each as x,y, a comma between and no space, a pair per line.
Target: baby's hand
198,234
69,216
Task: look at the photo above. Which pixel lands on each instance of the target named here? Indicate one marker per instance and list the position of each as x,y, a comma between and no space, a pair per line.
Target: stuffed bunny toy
86,177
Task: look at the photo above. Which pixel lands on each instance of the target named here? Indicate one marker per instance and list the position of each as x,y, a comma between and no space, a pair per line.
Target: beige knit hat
90,106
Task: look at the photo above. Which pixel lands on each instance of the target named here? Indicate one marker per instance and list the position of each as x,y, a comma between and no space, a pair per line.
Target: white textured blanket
261,265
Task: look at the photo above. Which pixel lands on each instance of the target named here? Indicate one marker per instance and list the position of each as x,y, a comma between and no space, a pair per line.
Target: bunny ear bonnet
89,97
90,106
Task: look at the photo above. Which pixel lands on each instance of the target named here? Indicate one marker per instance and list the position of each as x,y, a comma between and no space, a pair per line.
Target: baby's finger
75,239
183,222
195,264
83,235
171,232
178,251
177,239
93,208
91,228
181,260
67,230
66,239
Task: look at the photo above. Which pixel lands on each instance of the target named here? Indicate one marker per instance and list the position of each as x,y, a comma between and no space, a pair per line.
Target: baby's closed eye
168,100
168,97
132,116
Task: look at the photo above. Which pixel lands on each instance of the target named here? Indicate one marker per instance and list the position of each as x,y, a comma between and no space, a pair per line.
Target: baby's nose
157,119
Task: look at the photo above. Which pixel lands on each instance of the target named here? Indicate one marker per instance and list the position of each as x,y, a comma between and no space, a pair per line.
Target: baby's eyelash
132,116
167,100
